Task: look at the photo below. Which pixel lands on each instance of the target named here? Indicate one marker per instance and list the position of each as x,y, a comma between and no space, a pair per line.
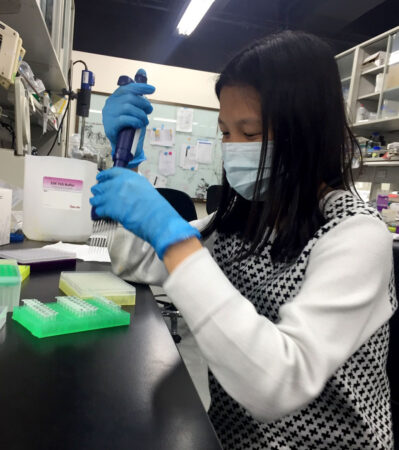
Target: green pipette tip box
10,284
9,275
69,315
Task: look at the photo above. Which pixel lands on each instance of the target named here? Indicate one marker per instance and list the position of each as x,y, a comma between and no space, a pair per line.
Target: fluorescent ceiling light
193,15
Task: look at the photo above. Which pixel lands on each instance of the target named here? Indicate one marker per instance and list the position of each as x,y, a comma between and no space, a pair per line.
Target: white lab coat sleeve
272,369
135,260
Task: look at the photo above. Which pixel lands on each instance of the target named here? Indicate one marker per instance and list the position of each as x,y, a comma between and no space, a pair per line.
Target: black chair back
393,354
213,196
181,201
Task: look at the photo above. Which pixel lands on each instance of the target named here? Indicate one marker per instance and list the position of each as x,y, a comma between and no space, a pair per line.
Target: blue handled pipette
103,228
123,149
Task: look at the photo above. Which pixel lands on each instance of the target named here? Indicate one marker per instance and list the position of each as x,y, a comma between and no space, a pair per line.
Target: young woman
288,289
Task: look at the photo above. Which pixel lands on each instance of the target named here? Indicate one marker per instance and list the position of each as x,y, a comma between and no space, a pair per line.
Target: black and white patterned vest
353,410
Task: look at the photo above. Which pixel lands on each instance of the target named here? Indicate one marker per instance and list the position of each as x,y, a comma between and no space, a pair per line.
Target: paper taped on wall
188,157
166,165
204,152
157,180
164,137
184,122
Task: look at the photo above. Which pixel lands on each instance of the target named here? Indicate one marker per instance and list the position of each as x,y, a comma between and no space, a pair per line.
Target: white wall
173,84
200,208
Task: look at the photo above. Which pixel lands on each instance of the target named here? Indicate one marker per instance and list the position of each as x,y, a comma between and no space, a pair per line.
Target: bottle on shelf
378,82
362,114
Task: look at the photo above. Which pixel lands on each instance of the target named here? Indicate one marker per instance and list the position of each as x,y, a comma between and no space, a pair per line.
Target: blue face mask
241,163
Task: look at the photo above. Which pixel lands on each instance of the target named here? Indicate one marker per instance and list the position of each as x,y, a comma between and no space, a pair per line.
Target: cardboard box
392,77
5,215
372,61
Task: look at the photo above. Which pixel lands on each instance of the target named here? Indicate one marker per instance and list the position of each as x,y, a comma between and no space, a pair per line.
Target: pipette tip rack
69,315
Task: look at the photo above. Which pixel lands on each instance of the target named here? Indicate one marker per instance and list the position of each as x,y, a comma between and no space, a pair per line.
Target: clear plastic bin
91,284
10,284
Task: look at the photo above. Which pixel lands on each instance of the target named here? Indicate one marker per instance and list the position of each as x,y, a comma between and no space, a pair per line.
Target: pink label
62,184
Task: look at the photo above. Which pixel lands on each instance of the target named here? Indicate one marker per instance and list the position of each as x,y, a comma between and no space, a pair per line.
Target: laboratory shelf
37,115
27,19
373,71
345,64
372,96
392,94
381,125
381,163
363,84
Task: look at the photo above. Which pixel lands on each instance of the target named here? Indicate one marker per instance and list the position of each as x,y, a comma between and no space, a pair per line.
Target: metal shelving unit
373,71
382,125
372,96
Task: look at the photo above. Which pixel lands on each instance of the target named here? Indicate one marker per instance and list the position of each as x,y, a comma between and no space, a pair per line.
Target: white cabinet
370,83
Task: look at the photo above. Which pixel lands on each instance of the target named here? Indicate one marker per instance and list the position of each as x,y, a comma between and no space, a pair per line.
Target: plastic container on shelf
389,108
378,82
362,114
56,198
10,284
345,93
89,284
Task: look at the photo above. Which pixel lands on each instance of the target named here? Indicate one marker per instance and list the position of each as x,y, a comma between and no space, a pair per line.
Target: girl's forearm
178,252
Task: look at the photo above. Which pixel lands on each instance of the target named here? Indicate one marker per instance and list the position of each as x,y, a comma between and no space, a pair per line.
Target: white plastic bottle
362,114
56,198
378,82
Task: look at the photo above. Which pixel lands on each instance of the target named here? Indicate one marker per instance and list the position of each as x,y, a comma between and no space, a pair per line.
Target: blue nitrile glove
127,107
129,198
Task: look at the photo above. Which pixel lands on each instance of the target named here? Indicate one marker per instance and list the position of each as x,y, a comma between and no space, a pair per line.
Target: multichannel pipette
103,228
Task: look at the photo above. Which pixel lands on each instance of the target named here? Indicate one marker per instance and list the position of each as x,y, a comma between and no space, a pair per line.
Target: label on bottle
62,193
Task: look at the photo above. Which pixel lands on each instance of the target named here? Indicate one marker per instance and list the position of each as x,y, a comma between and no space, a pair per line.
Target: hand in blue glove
127,107
128,198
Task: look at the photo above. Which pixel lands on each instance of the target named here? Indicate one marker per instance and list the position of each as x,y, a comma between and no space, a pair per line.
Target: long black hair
297,78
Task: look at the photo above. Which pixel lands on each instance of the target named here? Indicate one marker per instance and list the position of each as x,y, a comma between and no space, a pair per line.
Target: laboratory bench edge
116,388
